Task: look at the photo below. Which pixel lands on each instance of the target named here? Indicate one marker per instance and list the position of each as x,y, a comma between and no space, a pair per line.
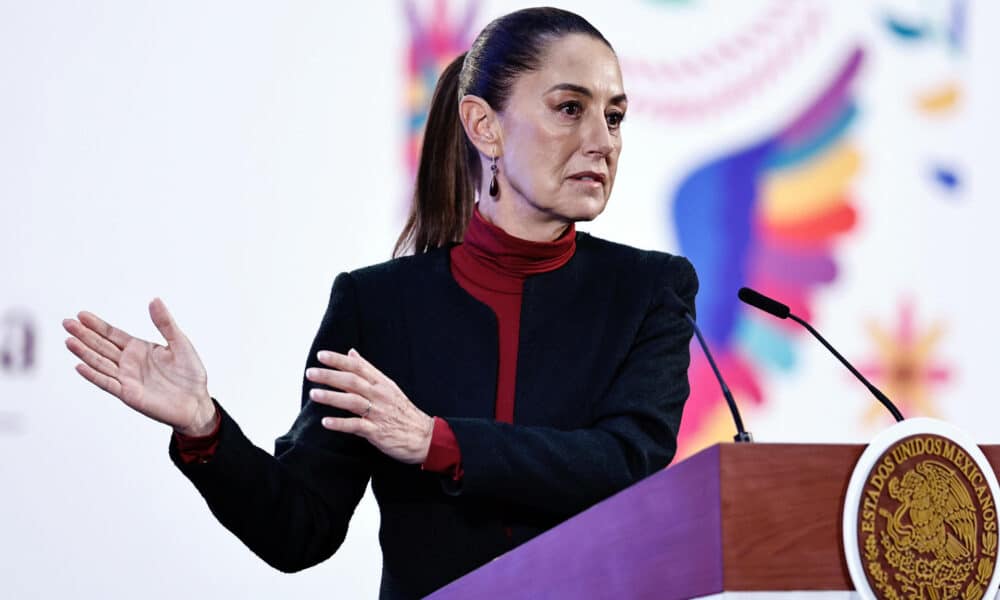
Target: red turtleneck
492,265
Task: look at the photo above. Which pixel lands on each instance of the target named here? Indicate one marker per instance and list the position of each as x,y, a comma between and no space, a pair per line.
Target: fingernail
353,352
327,421
314,393
310,373
323,355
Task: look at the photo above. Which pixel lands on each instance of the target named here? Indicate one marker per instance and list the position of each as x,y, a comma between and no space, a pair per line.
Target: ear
481,124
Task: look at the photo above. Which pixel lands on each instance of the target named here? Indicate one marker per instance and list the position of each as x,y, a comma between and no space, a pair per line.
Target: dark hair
449,173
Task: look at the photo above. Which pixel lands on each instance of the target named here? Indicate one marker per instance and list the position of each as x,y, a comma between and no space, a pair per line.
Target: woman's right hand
166,383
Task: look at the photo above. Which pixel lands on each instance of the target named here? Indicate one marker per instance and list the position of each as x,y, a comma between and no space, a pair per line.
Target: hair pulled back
449,173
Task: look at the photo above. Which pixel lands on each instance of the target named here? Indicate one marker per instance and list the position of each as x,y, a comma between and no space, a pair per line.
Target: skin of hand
165,383
394,425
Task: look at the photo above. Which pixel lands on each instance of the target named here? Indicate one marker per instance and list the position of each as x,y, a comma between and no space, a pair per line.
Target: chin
585,217
587,209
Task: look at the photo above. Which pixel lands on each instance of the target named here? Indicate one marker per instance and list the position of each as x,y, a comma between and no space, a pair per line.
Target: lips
589,176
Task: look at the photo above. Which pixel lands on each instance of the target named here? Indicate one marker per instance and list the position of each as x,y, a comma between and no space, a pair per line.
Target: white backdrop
233,157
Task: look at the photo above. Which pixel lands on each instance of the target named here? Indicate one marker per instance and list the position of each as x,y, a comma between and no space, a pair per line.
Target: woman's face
561,133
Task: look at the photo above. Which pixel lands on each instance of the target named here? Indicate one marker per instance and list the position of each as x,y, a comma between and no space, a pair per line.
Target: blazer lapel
452,341
564,317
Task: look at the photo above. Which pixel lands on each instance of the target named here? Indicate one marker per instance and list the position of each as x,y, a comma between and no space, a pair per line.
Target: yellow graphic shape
816,187
941,99
907,369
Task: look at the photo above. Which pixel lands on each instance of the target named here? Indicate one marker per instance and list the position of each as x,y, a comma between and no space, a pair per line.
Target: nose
598,140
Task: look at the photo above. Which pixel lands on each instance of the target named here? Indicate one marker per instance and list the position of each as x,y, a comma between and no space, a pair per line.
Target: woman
490,389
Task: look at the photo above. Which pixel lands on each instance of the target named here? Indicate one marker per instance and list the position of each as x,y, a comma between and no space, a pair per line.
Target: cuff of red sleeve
444,456
199,449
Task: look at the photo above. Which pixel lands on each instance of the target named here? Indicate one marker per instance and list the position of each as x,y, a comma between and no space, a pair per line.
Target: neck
520,220
506,260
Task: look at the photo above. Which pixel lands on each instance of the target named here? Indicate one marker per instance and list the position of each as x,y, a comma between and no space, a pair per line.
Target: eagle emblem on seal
936,514
928,545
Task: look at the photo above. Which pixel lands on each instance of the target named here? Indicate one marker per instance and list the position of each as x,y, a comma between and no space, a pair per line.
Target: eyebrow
579,89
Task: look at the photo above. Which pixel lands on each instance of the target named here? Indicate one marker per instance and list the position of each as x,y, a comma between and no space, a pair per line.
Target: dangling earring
494,186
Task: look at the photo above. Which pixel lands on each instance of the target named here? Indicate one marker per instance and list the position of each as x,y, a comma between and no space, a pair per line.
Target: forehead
581,60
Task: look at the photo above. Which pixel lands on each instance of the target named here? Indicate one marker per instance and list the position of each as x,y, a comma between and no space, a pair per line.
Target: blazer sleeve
291,509
633,434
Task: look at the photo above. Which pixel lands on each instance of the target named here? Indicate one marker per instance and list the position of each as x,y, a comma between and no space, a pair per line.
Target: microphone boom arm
874,390
742,435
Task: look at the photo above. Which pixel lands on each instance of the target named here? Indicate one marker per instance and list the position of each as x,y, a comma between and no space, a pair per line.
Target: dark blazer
601,382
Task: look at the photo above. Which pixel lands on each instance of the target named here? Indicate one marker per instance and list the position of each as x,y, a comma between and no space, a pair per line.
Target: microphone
742,435
773,307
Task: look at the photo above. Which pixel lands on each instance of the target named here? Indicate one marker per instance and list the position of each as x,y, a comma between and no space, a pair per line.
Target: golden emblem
927,523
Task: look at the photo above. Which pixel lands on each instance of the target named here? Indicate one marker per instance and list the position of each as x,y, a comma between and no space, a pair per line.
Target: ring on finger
367,410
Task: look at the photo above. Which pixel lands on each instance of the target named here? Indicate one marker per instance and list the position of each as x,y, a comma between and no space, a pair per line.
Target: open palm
166,383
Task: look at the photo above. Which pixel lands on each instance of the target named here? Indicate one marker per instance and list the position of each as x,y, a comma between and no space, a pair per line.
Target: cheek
555,153
540,156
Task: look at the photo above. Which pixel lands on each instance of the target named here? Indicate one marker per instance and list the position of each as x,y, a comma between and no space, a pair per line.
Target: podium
732,518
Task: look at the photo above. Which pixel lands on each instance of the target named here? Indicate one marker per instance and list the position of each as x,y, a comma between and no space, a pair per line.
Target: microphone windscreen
768,305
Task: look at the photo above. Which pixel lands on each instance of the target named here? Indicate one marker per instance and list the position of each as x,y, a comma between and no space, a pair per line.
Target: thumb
165,322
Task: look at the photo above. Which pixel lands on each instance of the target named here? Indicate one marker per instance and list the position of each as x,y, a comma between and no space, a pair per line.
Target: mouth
590,177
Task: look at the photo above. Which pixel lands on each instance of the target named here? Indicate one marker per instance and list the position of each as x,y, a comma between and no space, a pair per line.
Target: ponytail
445,192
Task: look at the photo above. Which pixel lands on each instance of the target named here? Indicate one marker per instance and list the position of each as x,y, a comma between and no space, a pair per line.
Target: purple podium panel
660,538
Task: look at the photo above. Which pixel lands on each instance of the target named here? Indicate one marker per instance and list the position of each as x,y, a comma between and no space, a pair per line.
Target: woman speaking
508,374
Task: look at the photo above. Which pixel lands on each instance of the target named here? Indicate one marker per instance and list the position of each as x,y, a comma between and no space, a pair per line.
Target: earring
494,186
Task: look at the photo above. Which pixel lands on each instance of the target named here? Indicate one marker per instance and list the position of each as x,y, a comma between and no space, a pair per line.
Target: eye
615,119
571,108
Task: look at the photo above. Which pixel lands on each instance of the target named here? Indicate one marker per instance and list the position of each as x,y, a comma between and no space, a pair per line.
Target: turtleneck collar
492,258
515,256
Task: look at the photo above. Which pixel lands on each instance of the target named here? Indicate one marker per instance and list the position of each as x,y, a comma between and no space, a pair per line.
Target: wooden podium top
734,517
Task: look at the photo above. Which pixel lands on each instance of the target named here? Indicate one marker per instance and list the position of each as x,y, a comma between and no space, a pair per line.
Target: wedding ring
367,410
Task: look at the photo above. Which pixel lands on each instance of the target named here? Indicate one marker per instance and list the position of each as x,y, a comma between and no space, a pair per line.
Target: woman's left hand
386,417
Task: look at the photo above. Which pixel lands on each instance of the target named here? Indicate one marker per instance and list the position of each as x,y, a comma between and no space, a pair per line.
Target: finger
353,362
108,384
92,340
343,400
353,425
165,322
342,380
116,336
368,370
91,358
